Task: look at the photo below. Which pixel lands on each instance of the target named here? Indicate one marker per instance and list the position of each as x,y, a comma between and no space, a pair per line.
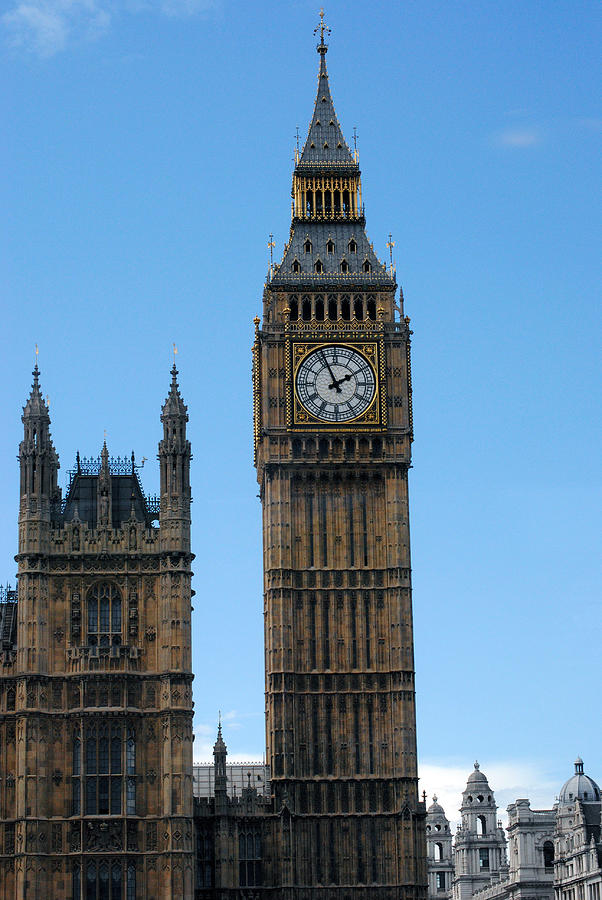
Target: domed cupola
436,820
579,787
477,792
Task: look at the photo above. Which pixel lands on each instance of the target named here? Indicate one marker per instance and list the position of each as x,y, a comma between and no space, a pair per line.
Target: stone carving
103,836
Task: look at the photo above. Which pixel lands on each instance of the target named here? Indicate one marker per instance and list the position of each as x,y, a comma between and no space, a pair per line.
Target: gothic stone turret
96,704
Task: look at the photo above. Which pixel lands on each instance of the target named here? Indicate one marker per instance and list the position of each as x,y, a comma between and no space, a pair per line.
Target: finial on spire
390,245
435,798
476,765
323,29
271,245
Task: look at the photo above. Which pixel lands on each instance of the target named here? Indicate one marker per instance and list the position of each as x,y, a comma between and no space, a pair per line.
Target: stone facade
96,681
555,854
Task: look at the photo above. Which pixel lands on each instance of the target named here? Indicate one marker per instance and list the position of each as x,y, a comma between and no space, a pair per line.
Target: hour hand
337,381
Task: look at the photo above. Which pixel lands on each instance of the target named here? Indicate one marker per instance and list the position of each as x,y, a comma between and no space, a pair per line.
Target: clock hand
335,383
338,381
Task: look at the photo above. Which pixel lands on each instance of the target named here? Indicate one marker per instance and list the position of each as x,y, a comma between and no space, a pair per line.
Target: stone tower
96,681
333,432
439,852
480,844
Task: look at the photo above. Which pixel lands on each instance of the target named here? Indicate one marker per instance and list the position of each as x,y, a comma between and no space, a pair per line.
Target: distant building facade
553,854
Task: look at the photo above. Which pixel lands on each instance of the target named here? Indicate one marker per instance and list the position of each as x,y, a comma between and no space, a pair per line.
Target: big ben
333,434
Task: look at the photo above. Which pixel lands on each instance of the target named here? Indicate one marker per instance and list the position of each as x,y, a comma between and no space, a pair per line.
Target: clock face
335,383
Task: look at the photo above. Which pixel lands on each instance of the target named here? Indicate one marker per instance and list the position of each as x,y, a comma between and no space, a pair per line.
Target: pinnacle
36,405
174,406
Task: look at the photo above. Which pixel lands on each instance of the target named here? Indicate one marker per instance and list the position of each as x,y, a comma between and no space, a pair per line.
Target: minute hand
335,383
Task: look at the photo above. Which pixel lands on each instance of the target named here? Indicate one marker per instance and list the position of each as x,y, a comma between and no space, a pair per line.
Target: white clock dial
335,383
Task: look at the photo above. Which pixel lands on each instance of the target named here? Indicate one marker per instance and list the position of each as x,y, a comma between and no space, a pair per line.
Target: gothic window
367,267
319,309
108,755
306,309
104,615
344,266
345,309
481,825
318,267
332,309
249,858
548,854
352,246
294,308
484,859
104,880
330,246
296,267
205,859
371,308
307,246
358,309
10,698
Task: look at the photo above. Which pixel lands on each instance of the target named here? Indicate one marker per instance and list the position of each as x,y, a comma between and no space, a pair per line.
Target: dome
435,809
579,786
477,777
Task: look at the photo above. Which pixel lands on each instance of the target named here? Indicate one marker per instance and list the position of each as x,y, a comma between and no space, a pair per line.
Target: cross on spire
323,29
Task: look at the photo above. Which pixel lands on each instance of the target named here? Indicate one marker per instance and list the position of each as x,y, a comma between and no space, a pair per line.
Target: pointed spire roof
219,746
174,406
325,145
36,405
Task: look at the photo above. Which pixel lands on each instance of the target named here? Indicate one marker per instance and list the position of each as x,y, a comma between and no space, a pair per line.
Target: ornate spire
325,145
174,406
36,405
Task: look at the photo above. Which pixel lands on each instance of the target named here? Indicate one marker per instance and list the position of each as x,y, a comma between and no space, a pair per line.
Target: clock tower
333,433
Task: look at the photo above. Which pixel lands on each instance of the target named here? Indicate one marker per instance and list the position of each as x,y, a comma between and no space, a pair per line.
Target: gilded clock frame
374,418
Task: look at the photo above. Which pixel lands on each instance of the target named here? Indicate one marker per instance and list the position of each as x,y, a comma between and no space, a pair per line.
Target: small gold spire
322,28
175,353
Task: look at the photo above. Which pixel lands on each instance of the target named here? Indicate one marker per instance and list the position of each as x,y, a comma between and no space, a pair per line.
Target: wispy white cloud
46,27
508,780
519,137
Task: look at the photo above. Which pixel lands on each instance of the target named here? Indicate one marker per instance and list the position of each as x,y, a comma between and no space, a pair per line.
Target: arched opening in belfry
345,310
438,852
309,202
294,308
481,825
346,202
371,308
319,309
306,309
332,309
358,309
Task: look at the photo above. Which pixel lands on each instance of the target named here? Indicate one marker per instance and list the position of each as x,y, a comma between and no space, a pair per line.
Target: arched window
367,267
318,267
438,852
330,246
104,615
104,880
307,246
332,309
249,858
108,753
352,246
345,310
548,855
306,309
371,308
481,825
358,309
344,266
319,309
296,266
294,308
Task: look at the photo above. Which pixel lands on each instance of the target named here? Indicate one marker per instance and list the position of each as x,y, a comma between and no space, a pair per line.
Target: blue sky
147,156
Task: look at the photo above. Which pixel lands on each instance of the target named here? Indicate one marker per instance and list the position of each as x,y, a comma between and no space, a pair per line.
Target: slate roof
325,146
340,233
